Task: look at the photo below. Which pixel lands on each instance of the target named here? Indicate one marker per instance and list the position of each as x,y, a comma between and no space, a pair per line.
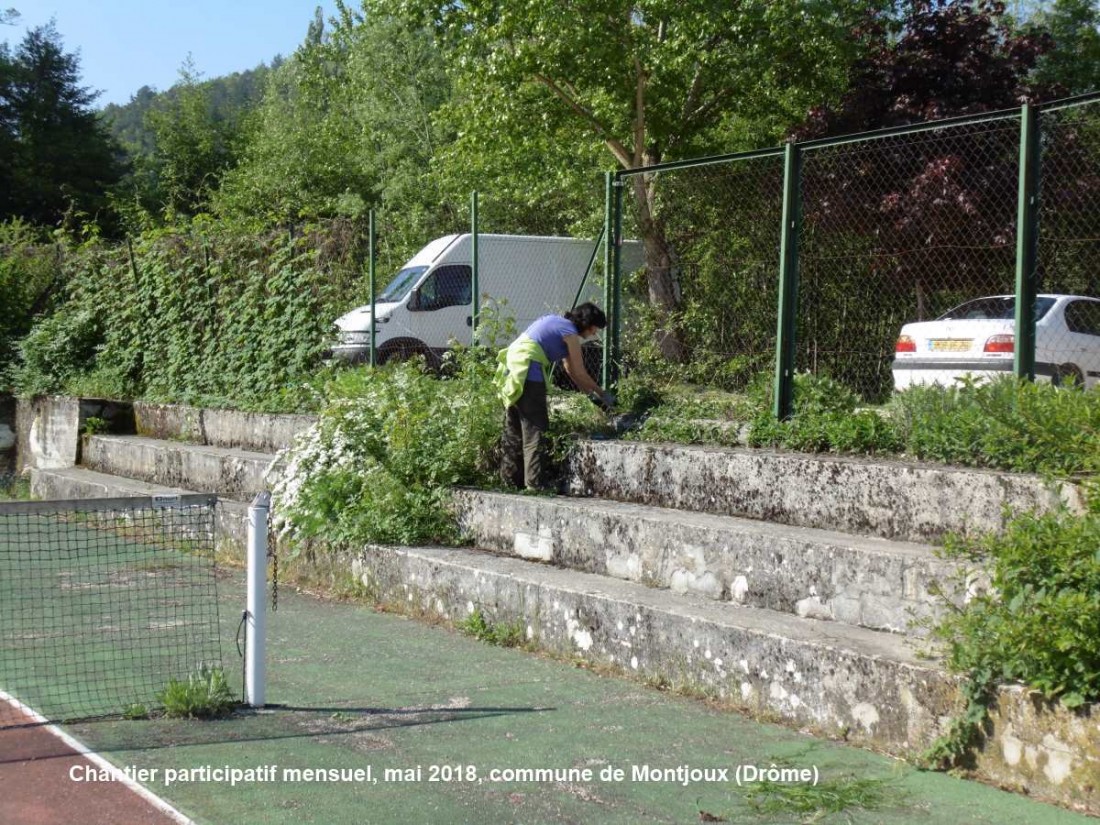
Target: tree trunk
662,274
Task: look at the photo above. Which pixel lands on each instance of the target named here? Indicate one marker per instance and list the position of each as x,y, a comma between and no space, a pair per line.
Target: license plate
950,344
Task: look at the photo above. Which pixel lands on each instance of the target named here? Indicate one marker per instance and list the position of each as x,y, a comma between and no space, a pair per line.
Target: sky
126,44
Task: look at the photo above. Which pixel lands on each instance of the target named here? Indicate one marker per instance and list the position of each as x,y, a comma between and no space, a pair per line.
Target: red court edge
36,788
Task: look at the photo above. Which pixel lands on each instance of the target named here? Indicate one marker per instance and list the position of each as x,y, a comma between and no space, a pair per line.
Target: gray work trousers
524,425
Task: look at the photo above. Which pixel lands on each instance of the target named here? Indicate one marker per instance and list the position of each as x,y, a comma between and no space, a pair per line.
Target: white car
978,338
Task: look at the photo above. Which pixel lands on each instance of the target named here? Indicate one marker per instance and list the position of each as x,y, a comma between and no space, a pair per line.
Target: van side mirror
414,300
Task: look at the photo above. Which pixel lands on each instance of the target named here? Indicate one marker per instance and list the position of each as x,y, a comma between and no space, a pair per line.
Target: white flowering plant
387,448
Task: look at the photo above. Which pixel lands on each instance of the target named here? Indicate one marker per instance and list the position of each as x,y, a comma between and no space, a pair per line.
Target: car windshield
402,282
993,309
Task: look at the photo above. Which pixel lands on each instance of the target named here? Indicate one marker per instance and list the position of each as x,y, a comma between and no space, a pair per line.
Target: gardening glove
604,400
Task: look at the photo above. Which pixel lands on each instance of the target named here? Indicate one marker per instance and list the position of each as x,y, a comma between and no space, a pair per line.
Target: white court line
100,762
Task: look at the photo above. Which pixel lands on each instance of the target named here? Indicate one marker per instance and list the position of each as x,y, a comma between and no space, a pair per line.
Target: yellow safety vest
512,366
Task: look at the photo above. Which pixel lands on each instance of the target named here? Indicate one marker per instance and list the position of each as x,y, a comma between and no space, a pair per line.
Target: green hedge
201,315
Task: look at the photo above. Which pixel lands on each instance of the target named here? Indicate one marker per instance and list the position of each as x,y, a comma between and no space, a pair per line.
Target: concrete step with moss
874,583
838,679
75,483
262,432
231,473
872,496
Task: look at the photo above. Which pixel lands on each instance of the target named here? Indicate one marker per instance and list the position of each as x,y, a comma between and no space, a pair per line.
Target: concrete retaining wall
889,499
259,432
49,428
818,574
1042,750
232,473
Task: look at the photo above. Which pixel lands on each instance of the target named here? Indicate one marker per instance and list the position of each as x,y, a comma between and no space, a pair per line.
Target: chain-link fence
701,307
1067,335
904,252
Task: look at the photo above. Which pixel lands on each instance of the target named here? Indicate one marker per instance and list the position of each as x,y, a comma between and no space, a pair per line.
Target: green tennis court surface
360,689
100,607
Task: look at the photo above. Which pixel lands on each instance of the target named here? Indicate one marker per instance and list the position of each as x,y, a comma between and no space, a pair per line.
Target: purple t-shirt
549,332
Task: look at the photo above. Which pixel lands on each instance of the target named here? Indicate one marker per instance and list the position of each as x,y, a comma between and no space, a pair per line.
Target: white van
428,303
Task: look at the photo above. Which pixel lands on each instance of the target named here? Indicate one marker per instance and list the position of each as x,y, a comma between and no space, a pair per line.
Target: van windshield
402,282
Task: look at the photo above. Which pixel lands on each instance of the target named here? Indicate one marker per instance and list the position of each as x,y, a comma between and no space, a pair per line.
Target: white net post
255,676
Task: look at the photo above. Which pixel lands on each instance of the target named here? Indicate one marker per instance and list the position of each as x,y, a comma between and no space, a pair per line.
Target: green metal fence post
788,282
370,286
1027,236
473,270
617,281
608,211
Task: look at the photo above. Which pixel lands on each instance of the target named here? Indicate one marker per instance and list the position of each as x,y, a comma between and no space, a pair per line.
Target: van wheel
1069,375
402,349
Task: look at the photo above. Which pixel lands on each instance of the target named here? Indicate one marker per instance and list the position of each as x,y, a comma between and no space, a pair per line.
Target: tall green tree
55,156
195,144
648,80
348,123
1073,65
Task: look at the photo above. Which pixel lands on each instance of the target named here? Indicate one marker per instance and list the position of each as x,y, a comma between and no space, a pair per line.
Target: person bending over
522,372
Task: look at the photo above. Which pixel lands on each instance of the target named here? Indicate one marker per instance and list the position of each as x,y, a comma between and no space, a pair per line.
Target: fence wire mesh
1068,335
899,230
102,602
710,235
907,257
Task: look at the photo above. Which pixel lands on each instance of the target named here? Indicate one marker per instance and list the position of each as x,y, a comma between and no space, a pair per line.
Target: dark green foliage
30,282
1040,624
1073,65
204,315
56,159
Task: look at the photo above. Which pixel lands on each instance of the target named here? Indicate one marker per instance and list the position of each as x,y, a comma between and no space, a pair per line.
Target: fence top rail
855,137
91,505
775,151
1069,102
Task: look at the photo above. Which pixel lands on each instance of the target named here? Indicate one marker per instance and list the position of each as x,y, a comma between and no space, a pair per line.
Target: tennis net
103,601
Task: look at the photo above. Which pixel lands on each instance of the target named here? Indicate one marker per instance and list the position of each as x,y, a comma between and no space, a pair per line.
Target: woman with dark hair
522,372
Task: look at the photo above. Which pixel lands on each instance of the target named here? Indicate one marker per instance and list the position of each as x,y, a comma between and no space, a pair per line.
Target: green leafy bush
1007,424
202,314
31,274
389,445
58,350
1004,424
1040,623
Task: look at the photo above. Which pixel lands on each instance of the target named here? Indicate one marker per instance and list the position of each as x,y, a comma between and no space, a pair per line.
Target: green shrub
1040,624
31,276
1005,423
200,314
482,629
58,350
204,695
389,445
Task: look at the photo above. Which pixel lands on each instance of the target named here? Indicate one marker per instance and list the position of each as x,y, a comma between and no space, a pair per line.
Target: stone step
871,687
80,483
872,496
262,432
873,583
231,473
